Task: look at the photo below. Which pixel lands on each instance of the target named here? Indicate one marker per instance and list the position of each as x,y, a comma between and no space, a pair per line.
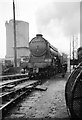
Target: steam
62,16
58,20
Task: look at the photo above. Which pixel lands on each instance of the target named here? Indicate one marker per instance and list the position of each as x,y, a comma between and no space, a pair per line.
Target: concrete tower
22,39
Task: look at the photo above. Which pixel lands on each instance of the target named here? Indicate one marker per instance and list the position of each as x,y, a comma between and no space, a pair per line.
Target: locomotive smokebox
38,45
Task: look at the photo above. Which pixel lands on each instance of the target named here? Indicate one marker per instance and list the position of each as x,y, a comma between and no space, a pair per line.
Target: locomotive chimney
39,35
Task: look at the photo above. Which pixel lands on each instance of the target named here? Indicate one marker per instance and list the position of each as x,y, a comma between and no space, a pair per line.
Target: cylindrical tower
22,39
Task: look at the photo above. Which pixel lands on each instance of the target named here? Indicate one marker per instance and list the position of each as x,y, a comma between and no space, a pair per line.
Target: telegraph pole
73,52
14,24
70,55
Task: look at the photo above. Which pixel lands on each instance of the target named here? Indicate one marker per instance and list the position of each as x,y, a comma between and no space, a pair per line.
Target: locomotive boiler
45,60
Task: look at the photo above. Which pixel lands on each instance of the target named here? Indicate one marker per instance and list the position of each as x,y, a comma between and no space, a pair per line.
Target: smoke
57,17
58,20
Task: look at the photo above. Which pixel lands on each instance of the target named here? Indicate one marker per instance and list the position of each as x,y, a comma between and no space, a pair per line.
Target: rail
14,76
9,98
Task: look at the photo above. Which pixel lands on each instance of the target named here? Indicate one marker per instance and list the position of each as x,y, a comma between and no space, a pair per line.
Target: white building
22,39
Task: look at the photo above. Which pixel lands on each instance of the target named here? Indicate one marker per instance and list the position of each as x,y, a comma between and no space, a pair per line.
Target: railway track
12,80
13,91
14,76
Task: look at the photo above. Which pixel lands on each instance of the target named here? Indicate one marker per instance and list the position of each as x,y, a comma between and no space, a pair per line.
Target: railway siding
43,104
13,90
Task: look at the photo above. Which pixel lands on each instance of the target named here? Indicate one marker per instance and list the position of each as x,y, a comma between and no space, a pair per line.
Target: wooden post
14,24
73,52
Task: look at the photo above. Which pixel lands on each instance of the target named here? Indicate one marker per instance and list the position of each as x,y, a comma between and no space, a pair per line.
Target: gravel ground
44,105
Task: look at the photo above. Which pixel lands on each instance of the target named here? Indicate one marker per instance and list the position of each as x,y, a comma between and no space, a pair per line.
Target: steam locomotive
45,60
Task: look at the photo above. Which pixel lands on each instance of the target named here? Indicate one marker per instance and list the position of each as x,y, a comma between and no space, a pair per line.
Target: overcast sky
57,20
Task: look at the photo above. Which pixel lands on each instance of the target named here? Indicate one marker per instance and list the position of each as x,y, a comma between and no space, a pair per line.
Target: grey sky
56,20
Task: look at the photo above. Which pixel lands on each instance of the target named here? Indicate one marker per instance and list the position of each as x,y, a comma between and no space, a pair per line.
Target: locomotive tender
45,60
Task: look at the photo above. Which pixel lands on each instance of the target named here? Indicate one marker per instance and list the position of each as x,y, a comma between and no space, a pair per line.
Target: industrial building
22,40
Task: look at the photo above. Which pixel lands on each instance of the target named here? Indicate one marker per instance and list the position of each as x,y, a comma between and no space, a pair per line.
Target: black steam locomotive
45,60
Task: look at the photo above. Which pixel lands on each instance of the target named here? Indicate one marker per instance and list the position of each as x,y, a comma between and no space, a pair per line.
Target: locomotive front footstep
73,93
